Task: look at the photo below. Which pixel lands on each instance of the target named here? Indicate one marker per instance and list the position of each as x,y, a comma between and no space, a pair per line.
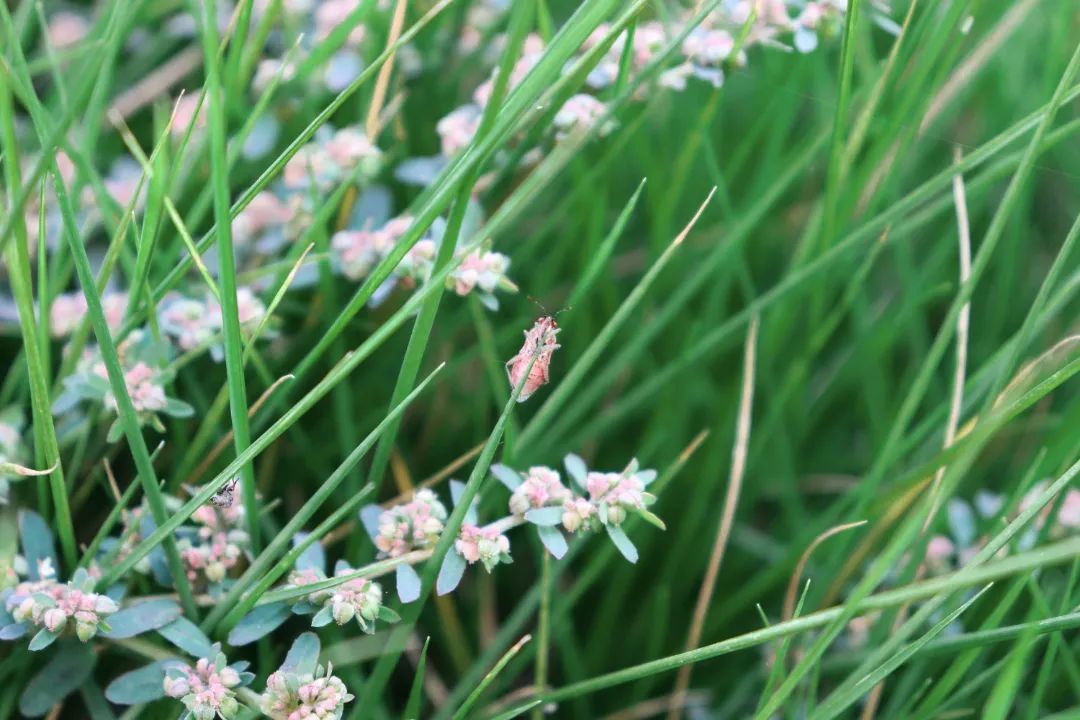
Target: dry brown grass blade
382,82
800,567
727,519
963,323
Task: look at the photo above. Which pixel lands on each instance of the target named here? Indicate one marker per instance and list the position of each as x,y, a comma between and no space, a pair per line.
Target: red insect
539,342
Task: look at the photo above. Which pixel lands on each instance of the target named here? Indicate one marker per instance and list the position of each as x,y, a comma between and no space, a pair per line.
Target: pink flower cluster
940,554
56,607
332,13
205,690
194,323
266,212
359,598
412,525
541,487
1067,519
67,311
144,386
485,545
327,162
214,557
358,251
218,544
610,496
580,112
66,29
483,269
320,696
615,493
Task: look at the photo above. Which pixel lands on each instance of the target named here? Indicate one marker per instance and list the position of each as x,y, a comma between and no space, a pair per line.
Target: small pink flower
268,69
485,545
580,112
66,29
66,313
310,162
350,147
185,114
359,251
411,525
264,212
332,13
1069,514
55,619
457,129
939,551
541,487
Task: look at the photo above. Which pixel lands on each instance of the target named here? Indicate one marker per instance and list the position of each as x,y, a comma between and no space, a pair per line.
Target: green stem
543,632
18,262
234,341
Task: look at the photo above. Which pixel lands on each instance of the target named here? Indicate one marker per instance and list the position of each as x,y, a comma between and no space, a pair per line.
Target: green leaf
408,583
651,518
575,468
324,617
187,636
451,572
261,621
314,557
507,476
416,692
303,655
142,618
37,543
553,540
548,516
143,685
69,668
622,542
14,631
44,639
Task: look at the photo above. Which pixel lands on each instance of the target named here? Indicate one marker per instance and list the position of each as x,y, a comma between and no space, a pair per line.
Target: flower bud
228,707
519,504
369,607
25,610
55,619
229,677
176,687
616,514
343,613
571,521
215,572
104,605
85,630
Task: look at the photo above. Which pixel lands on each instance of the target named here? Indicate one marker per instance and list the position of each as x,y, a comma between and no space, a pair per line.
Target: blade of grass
234,341
739,453
126,411
19,274
260,574
416,693
833,706
520,20
463,711
1018,564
